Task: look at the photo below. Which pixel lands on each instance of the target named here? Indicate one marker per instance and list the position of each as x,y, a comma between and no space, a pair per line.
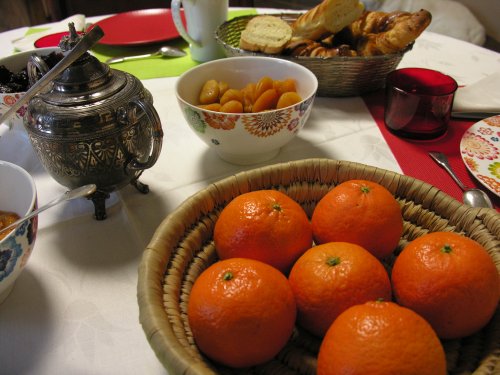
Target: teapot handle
36,65
157,132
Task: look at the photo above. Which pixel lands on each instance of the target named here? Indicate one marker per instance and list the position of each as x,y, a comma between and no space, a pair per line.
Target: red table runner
413,157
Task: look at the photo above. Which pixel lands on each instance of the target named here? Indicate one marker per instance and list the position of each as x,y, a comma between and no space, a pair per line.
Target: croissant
378,33
330,16
311,48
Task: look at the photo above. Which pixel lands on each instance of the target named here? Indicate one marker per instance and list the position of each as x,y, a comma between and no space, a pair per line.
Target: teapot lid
86,80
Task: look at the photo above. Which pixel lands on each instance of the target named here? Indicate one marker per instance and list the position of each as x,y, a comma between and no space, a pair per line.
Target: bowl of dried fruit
353,60
18,197
14,80
246,108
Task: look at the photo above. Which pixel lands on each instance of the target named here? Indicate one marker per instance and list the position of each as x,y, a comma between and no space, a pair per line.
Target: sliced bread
267,34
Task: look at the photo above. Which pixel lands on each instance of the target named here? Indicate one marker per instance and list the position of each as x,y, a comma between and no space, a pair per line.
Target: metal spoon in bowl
165,51
471,197
82,191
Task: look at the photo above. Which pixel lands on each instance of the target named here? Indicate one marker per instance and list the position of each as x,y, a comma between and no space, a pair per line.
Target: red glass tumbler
418,102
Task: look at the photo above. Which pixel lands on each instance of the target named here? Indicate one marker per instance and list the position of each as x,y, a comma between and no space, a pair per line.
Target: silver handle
442,160
114,60
156,130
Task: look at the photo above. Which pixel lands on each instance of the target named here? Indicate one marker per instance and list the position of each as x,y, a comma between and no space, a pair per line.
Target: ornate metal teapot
95,125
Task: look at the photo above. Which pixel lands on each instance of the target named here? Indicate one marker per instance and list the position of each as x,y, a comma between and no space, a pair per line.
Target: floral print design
12,248
494,168
267,123
11,252
480,148
474,145
471,163
493,121
262,125
195,120
222,121
9,100
490,182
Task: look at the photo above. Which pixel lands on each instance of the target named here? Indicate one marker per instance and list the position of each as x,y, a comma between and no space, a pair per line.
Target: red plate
51,40
139,27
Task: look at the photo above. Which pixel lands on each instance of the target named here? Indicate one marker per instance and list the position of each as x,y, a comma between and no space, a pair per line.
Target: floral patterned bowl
18,195
246,138
16,63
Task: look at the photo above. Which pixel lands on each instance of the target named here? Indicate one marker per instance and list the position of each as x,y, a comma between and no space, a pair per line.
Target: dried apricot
266,101
231,94
211,107
287,99
286,85
232,106
209,92
264,84
223,87
248,96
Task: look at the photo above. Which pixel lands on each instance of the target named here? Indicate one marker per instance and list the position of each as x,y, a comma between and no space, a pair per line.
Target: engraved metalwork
96,125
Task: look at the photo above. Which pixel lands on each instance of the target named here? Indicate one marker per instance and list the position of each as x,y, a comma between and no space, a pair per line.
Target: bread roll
330,16
379,33
267,34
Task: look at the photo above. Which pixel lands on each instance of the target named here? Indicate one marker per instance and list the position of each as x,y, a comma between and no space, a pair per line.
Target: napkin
481,99
27,42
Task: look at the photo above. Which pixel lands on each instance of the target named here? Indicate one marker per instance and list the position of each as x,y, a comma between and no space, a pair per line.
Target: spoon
165,51
79,192
471,197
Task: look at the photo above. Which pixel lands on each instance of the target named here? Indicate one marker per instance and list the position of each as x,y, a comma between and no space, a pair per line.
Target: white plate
480,150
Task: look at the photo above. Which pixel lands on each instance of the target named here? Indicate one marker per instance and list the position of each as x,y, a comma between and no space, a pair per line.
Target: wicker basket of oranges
182,248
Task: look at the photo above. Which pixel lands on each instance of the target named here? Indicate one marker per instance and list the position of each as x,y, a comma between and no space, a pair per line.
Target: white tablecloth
74,308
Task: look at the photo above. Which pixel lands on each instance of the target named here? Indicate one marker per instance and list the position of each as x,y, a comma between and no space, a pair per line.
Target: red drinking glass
418,102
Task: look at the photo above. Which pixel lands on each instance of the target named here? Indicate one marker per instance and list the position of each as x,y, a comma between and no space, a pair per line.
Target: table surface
74,308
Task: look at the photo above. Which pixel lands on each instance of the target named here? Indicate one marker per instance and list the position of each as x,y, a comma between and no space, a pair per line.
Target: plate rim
155,12
462,155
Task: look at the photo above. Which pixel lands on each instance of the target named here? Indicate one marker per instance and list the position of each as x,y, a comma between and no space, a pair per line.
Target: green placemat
154,67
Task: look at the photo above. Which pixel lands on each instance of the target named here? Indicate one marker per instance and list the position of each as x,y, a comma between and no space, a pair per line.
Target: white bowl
15,63
17,194
246,138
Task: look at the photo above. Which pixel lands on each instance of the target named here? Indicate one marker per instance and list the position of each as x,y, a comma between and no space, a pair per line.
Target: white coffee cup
202,19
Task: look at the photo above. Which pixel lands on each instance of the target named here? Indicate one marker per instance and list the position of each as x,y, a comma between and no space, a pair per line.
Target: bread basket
182,248
337,76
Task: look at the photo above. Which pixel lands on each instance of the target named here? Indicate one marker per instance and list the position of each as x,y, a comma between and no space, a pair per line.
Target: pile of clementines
278,268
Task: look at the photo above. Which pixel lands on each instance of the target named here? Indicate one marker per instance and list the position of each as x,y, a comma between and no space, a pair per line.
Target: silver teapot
94,125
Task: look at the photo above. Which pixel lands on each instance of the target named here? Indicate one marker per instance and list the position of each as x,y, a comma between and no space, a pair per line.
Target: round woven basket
337,76
182,248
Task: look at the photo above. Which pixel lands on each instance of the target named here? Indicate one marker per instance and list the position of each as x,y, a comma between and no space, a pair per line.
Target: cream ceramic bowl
17,194
15,63
246,138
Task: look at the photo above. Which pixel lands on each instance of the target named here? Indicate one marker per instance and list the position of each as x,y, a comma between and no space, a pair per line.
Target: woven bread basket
337,76
182,248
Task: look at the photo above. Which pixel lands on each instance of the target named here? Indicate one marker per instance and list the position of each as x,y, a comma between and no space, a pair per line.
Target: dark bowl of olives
14,80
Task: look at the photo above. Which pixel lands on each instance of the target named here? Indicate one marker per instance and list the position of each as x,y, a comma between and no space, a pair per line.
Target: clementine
361,212
329,278
381,338
241,312
265,225
450,280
